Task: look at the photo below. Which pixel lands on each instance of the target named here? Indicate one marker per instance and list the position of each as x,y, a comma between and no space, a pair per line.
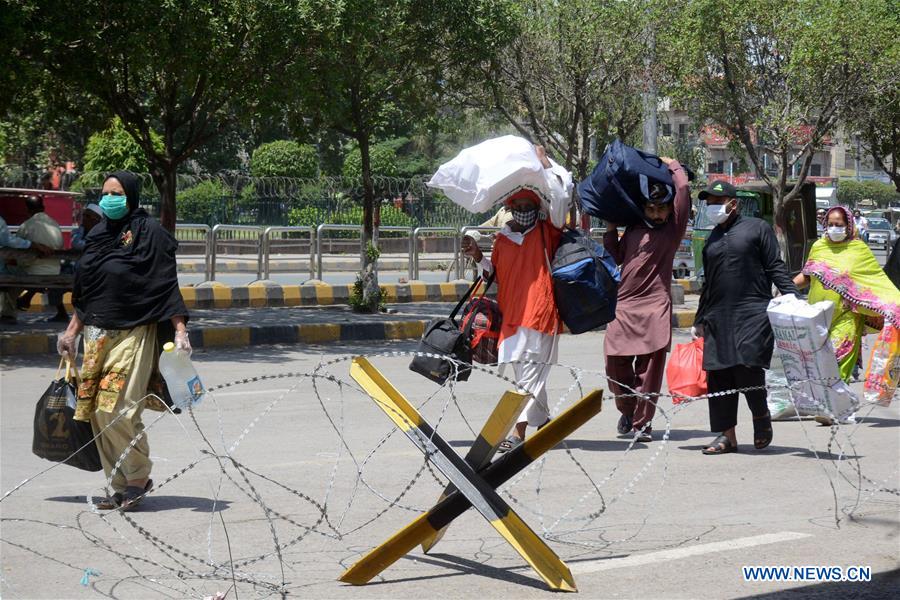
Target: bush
285,158
851,192
383,161
204,203
312,216
114,148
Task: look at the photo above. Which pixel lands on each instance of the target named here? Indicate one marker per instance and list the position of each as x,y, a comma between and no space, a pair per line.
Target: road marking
637,560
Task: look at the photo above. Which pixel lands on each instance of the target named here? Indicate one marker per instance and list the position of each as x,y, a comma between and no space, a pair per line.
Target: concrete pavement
667,522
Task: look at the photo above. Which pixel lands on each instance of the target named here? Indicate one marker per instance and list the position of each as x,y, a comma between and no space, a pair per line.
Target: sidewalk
241,327
300,263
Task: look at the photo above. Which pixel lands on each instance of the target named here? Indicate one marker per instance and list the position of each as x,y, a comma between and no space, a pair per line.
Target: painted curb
306,333
691,286
259,295
264,295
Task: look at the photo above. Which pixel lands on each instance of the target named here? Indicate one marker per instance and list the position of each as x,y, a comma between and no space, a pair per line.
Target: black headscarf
132,186
127,275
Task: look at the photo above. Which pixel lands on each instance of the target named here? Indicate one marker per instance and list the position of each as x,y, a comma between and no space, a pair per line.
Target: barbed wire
327,508
237,198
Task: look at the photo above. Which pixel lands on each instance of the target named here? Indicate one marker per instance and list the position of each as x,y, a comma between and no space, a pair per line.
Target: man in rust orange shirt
521,257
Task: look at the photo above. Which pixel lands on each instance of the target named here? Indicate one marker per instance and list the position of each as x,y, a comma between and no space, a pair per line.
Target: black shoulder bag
443,337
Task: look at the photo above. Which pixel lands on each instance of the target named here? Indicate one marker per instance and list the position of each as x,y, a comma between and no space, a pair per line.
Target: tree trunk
164,178
369,261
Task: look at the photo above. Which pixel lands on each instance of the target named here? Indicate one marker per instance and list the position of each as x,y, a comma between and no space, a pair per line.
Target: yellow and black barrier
500,421
471,488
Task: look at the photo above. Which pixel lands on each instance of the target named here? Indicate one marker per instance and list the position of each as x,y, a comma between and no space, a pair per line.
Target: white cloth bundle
802,343
488,173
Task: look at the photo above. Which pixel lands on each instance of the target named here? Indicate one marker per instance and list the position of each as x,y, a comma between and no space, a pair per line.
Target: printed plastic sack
883,373
781,407
778,398
488,173
57,435
803,345
684,374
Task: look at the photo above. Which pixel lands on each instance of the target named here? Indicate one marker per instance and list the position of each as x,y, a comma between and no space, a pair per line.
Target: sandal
645,436
110,502
509,444
720,445
762,431
133,496
624,426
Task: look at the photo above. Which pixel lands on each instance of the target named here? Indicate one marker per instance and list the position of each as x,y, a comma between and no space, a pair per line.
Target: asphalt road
657,521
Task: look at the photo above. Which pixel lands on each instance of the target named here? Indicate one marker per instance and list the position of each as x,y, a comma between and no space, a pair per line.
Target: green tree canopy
381,61
850,192
383,161
571,78
114,148
774,75
185,69
284,158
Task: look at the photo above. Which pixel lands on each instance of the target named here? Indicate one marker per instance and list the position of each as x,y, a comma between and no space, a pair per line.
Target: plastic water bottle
181,378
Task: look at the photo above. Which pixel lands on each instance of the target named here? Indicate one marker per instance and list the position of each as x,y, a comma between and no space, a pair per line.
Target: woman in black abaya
126,300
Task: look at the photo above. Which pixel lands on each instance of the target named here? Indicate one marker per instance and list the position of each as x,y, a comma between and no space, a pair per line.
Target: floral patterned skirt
111,358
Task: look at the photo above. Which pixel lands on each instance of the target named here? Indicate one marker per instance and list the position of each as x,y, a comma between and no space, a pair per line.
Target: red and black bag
481,326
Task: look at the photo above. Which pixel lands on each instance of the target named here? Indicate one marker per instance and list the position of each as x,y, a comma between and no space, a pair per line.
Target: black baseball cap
719,189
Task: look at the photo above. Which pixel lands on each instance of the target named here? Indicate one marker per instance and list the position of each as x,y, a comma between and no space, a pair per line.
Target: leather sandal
133,496
110,502
720,445
624,425
762,431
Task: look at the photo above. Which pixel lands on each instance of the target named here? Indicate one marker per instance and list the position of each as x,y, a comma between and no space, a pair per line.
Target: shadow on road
154,503
879,422
464,566
746,448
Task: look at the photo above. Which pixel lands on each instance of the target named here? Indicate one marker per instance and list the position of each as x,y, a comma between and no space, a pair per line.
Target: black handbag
57,435
443,337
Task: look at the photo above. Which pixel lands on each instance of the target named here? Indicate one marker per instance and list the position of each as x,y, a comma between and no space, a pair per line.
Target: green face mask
113,206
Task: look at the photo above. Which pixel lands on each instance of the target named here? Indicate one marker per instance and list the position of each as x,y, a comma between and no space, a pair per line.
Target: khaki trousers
132,355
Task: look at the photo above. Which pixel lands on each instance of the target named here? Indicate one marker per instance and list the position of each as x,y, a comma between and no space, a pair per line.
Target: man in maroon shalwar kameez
637,342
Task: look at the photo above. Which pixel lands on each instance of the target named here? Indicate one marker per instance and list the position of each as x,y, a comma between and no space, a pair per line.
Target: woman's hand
66,345
183,342
67,341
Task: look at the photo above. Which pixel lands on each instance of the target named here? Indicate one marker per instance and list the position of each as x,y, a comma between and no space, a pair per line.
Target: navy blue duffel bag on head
585,282
622,182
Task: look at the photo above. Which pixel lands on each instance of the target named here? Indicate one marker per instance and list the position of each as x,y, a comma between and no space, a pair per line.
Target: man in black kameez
741,260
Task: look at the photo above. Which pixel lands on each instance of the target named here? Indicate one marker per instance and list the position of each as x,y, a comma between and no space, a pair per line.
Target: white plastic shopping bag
486,174
810,366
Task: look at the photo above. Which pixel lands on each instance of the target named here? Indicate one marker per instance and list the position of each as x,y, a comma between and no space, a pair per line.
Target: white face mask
717,213
837,234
